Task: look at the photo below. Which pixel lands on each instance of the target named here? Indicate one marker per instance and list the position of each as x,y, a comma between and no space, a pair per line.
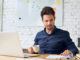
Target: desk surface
41,57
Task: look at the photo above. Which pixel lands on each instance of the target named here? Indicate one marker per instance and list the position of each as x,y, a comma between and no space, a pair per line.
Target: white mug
36,48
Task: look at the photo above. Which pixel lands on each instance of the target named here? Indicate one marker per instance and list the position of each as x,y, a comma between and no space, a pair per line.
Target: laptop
10,45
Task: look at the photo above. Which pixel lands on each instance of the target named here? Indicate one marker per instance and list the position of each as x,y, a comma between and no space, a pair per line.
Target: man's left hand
66,53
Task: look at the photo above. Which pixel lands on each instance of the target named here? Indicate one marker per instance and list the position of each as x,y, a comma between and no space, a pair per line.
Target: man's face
48,21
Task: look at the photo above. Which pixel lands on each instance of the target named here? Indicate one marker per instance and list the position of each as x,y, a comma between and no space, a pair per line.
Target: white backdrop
28,11
0,13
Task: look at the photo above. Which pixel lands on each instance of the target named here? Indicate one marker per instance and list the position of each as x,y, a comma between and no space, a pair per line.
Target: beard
50,27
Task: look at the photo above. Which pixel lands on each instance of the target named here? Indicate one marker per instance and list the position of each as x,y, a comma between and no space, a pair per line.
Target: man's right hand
30,50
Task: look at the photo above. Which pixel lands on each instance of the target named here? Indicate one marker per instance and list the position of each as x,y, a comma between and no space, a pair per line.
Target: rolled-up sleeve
70,44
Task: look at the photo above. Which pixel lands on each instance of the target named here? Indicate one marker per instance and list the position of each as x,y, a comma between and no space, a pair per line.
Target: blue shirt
54,43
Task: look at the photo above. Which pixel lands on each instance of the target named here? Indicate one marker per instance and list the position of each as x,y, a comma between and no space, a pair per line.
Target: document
58,56
29,59
20,59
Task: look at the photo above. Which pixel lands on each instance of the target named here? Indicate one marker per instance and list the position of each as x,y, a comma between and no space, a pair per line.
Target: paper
58,56
27,1
20,59
29,59
58,2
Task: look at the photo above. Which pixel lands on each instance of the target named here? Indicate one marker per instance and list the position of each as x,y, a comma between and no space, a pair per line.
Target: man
53,40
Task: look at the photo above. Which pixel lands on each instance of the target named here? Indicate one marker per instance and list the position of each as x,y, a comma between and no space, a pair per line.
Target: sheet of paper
58,2
34,59
29,58
20,59
58,56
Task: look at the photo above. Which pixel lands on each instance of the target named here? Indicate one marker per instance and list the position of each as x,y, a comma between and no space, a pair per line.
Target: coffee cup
36,48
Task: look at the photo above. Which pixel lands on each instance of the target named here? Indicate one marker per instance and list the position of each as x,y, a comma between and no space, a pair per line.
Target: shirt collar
52,31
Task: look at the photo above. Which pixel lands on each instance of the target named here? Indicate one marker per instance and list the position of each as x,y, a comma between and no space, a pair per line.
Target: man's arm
71,48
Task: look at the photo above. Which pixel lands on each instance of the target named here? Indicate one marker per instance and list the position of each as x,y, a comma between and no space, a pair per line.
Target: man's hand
66,53
30,50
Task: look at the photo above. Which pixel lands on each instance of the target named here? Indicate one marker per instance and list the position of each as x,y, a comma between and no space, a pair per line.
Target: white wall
27,34
0,13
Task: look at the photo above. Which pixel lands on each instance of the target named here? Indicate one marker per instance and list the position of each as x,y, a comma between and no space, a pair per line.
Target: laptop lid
10,44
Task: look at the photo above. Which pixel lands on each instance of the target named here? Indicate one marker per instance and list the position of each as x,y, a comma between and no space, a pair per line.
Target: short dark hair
47,11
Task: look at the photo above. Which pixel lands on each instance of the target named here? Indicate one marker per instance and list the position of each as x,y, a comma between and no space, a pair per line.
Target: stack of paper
58,56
